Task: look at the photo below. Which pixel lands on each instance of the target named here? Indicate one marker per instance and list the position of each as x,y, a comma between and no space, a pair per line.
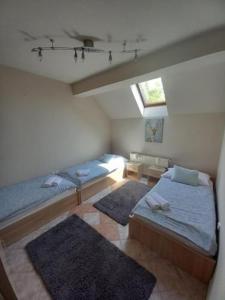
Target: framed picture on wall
154,130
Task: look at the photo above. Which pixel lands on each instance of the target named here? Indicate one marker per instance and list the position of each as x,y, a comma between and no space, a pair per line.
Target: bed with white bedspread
191,215
184,232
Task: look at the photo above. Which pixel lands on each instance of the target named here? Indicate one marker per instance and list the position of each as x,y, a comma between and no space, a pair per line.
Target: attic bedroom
112,129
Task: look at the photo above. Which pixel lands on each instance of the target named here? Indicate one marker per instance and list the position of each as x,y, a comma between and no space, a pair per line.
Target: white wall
217,287
190,140
44,128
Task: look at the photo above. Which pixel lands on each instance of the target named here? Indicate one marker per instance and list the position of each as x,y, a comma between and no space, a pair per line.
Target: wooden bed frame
93,187
20,228
167,246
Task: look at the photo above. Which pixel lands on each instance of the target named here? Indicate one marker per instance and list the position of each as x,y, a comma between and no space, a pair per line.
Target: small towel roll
82,172
52,181
154,205
164,204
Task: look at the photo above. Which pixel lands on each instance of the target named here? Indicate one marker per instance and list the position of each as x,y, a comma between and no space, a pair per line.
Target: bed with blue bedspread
97,169
192,213
22,197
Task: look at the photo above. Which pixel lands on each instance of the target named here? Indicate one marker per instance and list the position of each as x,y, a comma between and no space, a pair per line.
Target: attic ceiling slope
194,87
197,46
26,24
119,104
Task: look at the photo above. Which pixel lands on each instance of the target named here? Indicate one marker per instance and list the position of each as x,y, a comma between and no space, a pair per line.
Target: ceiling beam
197,46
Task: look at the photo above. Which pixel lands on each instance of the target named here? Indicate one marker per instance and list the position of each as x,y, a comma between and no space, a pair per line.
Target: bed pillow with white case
203,178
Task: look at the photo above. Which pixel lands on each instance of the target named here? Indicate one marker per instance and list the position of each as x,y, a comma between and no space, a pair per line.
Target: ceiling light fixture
110,56
87,47
40,53
75,55
82,54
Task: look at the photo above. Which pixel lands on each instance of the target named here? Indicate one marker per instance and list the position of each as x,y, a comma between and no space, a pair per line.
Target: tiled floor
172,283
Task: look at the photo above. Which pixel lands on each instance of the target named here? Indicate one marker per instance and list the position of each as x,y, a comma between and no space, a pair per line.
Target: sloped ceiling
119,104
25,24
196,88
192,87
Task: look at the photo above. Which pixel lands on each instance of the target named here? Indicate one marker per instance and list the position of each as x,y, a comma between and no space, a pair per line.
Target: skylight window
152,93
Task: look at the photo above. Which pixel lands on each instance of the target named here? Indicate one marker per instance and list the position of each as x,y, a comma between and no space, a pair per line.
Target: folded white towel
83,172
154,205
164,204
52,181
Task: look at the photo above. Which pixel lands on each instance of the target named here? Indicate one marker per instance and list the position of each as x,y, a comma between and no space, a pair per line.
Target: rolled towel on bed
52,181
164,204
82,172
152,203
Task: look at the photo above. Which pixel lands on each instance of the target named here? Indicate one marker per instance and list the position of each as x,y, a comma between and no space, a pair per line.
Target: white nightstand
135,167
155,171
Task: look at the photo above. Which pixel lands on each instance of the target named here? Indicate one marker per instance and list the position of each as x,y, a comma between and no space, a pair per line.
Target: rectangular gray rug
119,204
76,262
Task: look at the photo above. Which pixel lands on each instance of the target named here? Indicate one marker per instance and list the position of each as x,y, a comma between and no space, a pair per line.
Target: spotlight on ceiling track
75,55
110,56
40,56
87,47
82,54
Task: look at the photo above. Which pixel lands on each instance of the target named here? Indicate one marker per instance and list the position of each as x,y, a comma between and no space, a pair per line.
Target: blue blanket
191,215
19,197
97,169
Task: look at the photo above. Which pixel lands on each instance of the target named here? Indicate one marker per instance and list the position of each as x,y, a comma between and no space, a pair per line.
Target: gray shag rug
76,262
119,204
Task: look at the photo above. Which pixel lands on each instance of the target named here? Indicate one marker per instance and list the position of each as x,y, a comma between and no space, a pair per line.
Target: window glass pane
152,91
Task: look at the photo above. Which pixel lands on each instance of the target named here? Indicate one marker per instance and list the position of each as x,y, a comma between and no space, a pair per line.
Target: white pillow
203,178
168,174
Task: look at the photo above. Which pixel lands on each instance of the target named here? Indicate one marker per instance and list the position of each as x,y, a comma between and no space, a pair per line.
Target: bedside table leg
139,175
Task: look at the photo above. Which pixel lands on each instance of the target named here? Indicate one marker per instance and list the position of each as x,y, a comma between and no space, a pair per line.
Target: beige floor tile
167,281
19,263
116,243
123,231
86,208
79,214
155,296
108,230
194,287
173,295
132,248
92,218
105,219
41,295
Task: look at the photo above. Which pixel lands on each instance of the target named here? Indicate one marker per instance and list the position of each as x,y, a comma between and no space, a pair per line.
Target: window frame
143,100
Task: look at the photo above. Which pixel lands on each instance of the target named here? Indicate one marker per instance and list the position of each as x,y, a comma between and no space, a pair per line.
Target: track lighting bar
88,47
